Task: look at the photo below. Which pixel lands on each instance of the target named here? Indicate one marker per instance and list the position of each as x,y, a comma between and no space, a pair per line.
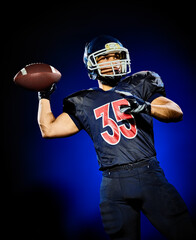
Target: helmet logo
112,46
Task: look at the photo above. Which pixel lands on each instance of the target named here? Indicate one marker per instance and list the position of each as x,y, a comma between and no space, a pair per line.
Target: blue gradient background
52,186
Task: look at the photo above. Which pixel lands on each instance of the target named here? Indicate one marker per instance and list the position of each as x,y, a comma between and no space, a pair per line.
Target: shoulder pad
144,74
151,76
155,79
70,102
140,75
81,93
135,78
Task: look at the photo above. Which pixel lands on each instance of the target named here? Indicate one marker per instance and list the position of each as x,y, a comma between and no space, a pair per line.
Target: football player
118,116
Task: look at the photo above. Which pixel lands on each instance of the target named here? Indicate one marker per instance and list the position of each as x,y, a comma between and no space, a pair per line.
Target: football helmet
103,45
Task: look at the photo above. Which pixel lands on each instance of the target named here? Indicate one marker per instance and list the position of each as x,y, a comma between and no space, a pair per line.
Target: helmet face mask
103,46
123,62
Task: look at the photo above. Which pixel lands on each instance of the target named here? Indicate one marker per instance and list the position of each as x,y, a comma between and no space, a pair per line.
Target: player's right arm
51,127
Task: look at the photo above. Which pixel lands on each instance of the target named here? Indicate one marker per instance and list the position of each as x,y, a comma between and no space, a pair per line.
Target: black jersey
118,138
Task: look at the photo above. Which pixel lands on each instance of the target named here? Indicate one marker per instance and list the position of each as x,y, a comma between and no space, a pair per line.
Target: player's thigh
120,220
164,206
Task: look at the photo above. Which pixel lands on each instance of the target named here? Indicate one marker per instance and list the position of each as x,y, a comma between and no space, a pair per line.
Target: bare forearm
168,112
45,116
51,127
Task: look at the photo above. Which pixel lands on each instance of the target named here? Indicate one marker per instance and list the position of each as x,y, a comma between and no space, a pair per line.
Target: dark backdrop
51,187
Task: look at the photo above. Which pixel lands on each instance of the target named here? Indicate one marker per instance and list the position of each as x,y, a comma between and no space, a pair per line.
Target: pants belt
129,166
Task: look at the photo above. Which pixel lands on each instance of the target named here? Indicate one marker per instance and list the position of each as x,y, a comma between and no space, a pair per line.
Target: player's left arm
166,110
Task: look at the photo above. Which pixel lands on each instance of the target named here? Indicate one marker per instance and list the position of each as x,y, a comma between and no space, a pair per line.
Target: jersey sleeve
149,85
153,86
70,108
73,107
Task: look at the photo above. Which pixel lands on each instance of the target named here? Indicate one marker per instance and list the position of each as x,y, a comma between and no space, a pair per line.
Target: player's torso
118,138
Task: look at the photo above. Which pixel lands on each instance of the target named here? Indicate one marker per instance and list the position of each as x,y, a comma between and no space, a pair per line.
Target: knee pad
111,217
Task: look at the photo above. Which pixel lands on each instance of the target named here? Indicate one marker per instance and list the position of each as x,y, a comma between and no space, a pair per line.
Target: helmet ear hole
92,75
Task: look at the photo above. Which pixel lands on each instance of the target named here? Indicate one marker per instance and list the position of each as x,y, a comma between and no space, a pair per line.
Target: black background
56,33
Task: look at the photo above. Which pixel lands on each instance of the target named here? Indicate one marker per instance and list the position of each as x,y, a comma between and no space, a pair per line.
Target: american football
37,76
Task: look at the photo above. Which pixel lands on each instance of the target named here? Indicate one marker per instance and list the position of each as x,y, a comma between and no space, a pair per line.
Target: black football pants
124,193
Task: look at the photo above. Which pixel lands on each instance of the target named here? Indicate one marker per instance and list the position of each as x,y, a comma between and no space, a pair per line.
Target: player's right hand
46,93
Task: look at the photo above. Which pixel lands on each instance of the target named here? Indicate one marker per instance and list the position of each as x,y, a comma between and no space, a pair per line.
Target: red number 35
129,131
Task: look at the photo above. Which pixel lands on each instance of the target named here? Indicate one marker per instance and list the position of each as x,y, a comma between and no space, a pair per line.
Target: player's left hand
137,105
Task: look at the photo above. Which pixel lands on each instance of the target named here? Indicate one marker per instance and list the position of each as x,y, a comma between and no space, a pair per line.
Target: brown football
37,76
